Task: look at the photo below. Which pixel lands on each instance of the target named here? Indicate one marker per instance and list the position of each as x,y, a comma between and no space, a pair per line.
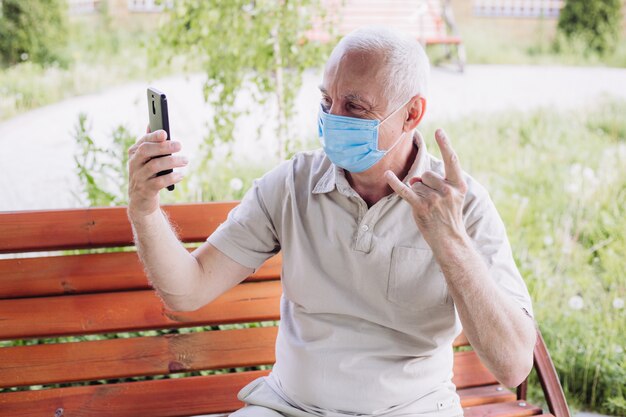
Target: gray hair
405,62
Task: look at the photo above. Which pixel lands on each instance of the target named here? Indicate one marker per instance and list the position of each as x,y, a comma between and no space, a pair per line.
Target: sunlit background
531,92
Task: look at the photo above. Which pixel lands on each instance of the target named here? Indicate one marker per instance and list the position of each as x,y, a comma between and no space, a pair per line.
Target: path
36,161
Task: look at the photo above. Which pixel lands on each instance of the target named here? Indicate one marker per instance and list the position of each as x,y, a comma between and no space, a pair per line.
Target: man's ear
417,109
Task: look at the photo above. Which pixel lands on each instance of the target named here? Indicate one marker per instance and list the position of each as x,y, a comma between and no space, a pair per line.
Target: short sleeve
248,236
488,233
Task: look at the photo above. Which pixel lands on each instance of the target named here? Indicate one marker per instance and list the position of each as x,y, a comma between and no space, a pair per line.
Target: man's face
353,86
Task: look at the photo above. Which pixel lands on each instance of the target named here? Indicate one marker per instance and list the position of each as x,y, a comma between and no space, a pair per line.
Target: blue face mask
352,143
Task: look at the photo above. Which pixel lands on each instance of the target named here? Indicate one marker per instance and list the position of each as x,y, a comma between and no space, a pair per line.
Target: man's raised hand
436,202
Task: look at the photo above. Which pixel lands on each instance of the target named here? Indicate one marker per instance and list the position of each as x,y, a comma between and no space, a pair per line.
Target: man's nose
337,109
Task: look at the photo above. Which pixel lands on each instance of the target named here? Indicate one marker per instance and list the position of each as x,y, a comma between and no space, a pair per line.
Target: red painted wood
470,372
45,230
461,340
502,409
132,310
159,398
182,397
137,356
159,355
549,380
486,394
80,274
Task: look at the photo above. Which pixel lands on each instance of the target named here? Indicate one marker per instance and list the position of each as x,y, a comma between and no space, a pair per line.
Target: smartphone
157,111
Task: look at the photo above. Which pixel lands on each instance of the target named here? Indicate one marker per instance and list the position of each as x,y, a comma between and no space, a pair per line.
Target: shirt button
365,228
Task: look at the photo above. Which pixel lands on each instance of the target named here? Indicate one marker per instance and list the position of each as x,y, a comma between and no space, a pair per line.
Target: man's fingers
401,188
156,137
434,180
450,159
148,128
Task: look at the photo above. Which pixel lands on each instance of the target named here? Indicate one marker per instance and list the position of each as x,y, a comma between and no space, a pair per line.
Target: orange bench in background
46,295
431,22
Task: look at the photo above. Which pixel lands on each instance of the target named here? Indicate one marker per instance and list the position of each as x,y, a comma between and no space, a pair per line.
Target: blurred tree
595,23
259,45
34,30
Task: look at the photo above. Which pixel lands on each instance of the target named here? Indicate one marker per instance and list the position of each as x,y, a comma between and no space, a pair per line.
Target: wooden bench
49,295
431,22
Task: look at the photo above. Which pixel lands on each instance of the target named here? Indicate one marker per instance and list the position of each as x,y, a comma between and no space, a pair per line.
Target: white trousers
262,401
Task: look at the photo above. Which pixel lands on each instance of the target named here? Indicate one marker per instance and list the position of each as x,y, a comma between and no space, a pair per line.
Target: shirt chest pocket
415,281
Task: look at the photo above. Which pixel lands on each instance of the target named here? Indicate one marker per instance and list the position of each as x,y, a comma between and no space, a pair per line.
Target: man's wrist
452,248
137,217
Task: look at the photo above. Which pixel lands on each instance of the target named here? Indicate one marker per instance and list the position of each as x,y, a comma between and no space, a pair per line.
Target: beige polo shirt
367,322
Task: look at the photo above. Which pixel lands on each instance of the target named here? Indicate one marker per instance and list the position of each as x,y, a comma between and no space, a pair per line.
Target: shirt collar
335,177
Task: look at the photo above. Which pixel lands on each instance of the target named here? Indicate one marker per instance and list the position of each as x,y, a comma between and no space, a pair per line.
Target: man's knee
255,411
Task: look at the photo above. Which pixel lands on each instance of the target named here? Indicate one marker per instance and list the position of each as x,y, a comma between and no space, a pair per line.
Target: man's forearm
499,331
171,269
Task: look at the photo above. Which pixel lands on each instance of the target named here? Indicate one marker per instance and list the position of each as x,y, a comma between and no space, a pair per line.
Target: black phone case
158,115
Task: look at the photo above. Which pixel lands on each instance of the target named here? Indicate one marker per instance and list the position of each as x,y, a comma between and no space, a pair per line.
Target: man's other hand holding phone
143,165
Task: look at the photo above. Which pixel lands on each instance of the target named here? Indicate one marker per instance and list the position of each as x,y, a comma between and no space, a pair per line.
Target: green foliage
34,30
593,24
258,47
103,173
99,56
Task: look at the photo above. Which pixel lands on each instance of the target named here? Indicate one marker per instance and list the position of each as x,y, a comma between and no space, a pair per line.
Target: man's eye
326,103
354,107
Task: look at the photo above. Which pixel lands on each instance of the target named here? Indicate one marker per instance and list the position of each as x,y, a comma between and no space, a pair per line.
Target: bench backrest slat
154,355
166,397
99,227
159,355
89,273
131,310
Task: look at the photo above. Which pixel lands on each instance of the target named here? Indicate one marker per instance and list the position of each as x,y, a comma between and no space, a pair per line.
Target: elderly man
379,275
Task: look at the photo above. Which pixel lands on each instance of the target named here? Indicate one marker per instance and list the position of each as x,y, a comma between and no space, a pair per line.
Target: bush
594,24
34,30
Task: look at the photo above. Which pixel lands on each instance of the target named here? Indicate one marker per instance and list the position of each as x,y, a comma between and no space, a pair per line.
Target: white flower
573,187
618,349
236,184
618,303
547,240
575,169
588,174
576,302
567,246
24,56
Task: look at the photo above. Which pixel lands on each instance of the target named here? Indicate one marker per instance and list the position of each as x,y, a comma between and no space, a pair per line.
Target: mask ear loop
394,145
385,119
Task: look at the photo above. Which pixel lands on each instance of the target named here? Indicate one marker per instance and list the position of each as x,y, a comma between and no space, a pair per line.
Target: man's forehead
354,76
352,95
